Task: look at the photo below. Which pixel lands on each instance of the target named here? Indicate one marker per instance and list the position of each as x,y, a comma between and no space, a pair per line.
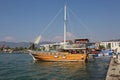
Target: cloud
60,38
69,35
9,38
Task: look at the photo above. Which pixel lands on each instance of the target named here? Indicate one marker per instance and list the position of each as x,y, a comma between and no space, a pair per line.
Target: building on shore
112,44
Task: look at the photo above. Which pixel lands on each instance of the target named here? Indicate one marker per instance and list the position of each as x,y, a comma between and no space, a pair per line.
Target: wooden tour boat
67,54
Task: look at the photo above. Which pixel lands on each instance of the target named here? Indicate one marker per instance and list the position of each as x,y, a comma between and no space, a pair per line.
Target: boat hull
59,57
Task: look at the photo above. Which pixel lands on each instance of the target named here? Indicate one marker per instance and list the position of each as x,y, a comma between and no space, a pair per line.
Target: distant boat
101,54
67,54
104,53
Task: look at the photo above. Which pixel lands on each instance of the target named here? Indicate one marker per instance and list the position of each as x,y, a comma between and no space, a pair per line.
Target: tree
101,47
32,46
109,46
21,48
8,47
16,48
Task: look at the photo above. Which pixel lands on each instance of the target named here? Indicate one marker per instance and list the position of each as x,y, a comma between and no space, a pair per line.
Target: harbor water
22,67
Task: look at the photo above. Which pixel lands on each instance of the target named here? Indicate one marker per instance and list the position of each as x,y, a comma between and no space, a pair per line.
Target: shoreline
113,72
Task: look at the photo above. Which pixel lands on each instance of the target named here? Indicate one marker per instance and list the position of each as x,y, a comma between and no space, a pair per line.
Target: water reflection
63,65
61,70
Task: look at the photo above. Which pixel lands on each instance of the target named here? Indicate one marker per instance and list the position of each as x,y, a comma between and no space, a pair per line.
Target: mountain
21,44
15,44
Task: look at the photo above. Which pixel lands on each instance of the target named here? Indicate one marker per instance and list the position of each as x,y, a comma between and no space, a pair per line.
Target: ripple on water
21,67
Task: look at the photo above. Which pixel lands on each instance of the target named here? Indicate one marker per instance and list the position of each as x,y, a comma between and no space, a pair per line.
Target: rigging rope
91,33
51,21
71,26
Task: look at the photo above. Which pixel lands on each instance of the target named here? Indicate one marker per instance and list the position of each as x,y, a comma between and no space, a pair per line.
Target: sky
24,20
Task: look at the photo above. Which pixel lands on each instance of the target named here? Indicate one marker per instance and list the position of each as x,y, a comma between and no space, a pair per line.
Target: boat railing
75,46
49,53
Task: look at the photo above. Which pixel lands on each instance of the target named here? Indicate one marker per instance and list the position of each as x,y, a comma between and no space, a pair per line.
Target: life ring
55,56
64,57
82,57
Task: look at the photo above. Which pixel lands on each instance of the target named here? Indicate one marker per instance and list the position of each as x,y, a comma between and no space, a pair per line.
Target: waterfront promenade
113,71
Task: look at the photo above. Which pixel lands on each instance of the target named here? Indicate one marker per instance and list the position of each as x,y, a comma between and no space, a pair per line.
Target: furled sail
37,40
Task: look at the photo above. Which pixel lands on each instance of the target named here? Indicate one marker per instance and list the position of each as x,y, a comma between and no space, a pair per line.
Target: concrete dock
113,71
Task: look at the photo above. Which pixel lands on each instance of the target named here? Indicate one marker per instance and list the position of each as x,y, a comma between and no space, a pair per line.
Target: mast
65,29
65,14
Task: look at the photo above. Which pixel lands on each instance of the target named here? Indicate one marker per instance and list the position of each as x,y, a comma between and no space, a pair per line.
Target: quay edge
113,71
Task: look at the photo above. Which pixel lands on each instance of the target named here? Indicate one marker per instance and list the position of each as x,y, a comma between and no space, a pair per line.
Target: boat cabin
81,41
